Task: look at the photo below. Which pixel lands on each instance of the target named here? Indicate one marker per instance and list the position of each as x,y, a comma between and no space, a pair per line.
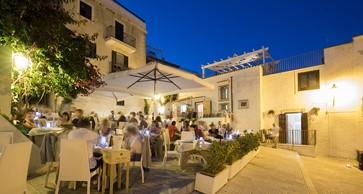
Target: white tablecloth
42,131
184,146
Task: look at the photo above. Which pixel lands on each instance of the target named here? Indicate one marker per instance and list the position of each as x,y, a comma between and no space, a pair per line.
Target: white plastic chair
5,139
139,164
73,164
168,153
14,164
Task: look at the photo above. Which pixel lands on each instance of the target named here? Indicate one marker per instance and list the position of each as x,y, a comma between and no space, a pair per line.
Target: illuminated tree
60,57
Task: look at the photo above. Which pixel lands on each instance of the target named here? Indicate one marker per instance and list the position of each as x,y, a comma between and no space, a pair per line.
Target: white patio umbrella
151,79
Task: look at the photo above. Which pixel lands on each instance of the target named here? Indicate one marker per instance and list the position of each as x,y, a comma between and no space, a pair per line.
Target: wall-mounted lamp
21,61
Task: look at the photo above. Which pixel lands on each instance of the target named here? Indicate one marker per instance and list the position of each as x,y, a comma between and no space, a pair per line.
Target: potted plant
215,175
249,148
271,113
146,107
315,111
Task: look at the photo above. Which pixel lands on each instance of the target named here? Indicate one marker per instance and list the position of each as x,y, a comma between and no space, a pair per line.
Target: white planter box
244,162
234,168
210,185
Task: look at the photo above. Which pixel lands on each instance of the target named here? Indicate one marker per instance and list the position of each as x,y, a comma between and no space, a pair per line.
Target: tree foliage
60,57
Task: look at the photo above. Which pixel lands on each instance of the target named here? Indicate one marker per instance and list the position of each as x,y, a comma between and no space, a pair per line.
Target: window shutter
119,31
282,125
126,62
304,129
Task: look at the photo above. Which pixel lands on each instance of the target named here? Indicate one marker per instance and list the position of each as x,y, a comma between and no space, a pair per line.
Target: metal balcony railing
124,37
296,62
116,67
298,137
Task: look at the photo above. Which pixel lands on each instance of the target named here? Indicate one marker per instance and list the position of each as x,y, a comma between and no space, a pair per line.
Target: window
120,62
119,31
85,10
120,103
224,106
223,93
308,80
92,49
183,108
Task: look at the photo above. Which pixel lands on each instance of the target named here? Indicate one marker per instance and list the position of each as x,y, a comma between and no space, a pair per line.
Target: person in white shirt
275,134
83,132
134,142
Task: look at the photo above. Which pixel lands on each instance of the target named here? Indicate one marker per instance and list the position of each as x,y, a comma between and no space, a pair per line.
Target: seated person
213,131
133,142
174,132
154,128
222,130
229,130
66,119
199,131
121,122
83,132
185,126
143,123
28,122
78,118
105,133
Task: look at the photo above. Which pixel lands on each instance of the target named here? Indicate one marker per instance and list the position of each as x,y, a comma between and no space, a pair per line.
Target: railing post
293,137
315,140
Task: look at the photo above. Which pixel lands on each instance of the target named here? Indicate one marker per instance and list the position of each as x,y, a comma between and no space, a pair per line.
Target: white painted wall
103,107
105,12
5,79
339,127
246,85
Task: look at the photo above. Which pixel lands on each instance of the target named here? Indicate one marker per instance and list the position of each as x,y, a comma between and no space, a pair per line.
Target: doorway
293,126
199,107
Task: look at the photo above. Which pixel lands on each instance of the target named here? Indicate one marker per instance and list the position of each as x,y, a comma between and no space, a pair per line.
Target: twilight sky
192,33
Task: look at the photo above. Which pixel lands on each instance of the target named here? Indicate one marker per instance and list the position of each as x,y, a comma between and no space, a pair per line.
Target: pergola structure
237,62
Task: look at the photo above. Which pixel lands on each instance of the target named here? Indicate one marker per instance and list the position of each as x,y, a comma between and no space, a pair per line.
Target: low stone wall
18,137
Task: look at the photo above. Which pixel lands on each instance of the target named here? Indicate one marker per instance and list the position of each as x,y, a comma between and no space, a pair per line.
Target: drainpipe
231,98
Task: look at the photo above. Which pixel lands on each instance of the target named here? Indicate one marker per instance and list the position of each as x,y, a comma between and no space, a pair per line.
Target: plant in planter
146,107
233,159
216,159
214,176
271,113
314,111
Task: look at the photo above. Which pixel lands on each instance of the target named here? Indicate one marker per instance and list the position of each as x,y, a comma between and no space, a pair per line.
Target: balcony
121,43
116,67
296,62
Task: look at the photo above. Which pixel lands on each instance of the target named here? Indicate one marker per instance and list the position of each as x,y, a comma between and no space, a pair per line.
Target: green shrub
227,152
232,153
216,158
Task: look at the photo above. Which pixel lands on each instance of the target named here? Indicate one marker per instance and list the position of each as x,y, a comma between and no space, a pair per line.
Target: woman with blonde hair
105,132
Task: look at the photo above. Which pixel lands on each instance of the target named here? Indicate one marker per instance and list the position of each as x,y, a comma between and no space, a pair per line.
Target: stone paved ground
271,171
330,175
157,181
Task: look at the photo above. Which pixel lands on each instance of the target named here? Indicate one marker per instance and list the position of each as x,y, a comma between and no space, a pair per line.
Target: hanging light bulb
156,96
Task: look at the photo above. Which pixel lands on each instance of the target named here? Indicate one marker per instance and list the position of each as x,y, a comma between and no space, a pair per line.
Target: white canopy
150,79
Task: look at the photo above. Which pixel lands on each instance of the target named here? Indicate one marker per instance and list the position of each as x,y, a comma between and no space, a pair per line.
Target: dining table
112,157
188,148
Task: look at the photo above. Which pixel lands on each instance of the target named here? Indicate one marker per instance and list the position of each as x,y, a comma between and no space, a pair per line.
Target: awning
153,78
